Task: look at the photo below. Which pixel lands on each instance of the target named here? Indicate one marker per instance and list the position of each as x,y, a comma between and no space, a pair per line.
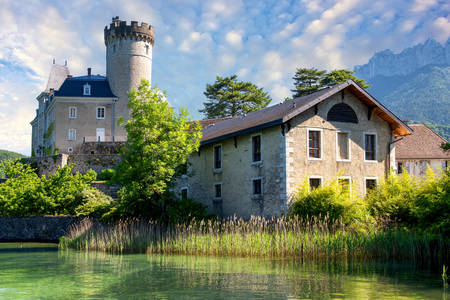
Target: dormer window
87,90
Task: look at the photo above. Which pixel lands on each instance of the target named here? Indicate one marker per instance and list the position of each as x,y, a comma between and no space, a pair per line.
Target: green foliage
339,76
27,194
332,203
106,174
49,131
307,81
392,201
183,211
5,155
94,203
159,140
445,146
230,97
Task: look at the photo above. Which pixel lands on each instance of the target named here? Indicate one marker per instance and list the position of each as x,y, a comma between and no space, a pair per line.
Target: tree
159,140
445,146
230,97
307,81
340,76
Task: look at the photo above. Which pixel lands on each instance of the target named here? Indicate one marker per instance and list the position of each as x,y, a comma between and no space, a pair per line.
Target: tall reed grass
259,237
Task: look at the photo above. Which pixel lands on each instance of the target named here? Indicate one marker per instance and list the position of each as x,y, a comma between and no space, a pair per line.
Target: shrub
93,203
393,200
106,174
331,203
183,211
432,205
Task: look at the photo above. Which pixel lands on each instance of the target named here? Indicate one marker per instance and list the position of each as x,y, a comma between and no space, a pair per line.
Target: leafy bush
331,203
393,200
432,205
183,211
106,174
94,203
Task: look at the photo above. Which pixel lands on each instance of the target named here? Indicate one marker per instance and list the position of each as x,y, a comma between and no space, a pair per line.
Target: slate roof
424,143
73,87
58,74
283,112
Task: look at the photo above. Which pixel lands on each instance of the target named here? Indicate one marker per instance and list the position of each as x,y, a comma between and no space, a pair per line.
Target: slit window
257,187
343,144
217,157
370,146
184,193
314,150
256,148
218,190
72,112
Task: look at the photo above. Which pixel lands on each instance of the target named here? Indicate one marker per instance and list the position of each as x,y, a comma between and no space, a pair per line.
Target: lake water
40,271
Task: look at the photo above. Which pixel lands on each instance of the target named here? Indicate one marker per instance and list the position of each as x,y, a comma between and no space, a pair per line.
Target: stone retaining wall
35,229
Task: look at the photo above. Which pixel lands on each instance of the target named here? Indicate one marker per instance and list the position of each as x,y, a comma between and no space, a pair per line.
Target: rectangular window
72,112
72,135
370,146
86,90
314,144
371,183
217,157
343,146
257,187
184,193
399,168
101,112
315,182
256,148
218,190
345,182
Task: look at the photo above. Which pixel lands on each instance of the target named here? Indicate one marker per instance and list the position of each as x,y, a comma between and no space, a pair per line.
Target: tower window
257,187
87,90
146,49
72,112
100,112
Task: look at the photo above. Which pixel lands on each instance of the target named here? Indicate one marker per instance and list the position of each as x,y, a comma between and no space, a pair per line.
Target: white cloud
193,41
442,27
234,38
280,92
423,5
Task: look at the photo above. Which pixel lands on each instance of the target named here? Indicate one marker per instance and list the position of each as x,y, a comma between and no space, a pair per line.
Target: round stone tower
128,60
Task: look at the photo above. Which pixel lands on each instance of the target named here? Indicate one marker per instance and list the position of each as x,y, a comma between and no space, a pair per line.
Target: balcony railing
116,138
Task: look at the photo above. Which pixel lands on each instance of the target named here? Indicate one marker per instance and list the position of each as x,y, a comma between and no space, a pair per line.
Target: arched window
342,112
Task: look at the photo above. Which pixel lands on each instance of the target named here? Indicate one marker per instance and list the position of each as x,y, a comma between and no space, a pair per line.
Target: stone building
74,111
420,150
251,165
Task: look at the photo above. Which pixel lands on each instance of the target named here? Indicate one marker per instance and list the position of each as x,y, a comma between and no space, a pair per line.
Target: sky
196,40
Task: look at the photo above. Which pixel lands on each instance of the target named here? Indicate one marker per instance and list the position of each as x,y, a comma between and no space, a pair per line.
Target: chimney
51,92
65,63
53,61
89,71
69,76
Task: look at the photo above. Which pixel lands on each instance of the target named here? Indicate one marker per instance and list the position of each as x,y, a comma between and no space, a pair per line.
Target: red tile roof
424,143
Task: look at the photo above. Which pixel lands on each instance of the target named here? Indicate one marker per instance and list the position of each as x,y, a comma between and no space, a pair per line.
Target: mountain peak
387,63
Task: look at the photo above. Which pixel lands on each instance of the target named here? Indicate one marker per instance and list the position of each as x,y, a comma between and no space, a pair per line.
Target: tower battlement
120,30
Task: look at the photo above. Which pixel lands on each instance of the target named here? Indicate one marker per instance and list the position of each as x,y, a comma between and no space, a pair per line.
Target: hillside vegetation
5,155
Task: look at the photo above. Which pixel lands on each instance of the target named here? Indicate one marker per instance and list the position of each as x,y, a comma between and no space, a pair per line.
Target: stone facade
285,162
418,167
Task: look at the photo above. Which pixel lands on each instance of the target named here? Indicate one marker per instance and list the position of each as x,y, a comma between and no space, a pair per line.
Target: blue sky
196,40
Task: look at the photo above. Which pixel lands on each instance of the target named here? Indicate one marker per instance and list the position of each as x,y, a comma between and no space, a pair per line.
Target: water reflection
72,274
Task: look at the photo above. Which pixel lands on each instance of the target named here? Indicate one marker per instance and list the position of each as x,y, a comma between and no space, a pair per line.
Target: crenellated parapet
120,30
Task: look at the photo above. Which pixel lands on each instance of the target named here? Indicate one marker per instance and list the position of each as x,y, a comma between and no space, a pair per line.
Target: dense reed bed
257,237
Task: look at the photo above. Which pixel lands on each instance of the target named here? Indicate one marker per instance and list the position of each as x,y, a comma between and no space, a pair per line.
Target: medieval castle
76,111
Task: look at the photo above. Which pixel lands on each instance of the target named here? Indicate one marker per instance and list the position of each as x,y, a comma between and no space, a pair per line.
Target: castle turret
128,60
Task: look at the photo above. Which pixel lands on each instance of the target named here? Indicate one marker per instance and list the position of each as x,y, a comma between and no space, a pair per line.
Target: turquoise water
40,271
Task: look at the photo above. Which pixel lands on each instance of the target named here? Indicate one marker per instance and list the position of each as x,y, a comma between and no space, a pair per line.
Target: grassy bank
258,237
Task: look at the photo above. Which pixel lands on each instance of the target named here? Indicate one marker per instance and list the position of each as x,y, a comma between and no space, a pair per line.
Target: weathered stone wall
83,162
237,174
42,229
418,167
299,166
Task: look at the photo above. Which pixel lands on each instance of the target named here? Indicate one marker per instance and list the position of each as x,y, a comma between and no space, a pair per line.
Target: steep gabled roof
56,78
73,87
424,143
283,112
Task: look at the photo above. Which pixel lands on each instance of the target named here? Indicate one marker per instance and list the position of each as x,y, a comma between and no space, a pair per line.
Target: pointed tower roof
58,74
